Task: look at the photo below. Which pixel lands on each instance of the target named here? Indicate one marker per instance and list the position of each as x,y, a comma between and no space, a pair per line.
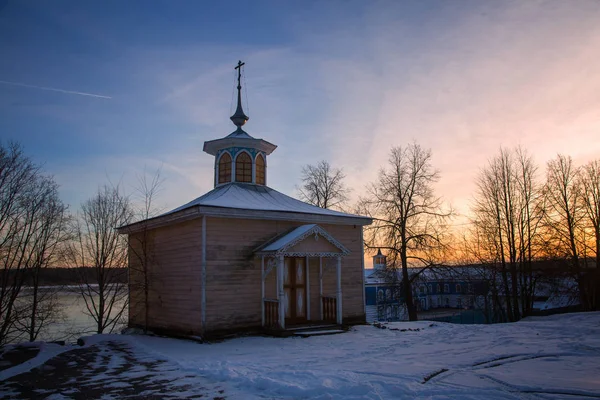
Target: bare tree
506,218
565,215
409,220
323,186
590,183
141,250
31,217
529,219
98,245
49,233
17,174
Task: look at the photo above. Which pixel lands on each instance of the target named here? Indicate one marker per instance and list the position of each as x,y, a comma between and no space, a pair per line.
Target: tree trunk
597,272
515,291
406,284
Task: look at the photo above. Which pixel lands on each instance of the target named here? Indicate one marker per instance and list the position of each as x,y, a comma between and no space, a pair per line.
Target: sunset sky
96,91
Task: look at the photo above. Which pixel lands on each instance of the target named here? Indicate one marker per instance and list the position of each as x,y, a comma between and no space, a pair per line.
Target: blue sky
342,81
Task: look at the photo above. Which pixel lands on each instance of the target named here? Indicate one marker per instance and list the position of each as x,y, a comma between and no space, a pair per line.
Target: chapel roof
246,200
248,196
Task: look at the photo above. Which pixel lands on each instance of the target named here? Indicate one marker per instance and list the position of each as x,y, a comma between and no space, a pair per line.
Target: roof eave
213,146
224,212
161,220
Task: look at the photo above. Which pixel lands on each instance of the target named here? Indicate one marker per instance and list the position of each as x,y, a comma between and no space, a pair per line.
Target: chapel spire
239,158
239,118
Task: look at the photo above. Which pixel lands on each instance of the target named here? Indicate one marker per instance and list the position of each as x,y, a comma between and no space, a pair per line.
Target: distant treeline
73,276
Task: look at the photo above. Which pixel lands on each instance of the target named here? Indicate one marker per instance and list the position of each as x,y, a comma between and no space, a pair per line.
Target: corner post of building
362,262
262,288
280,292
203,279
321,287
339,290
308,317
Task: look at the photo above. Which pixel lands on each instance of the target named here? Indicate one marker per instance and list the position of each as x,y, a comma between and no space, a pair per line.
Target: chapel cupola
238,156
379,261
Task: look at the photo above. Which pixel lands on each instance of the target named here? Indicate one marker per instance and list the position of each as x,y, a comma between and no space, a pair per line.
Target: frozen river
75,320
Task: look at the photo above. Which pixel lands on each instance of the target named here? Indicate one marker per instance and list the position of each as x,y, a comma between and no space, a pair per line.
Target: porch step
303,328
319,332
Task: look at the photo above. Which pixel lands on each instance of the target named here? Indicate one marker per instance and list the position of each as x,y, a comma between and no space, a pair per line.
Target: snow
536,354
537,358
248,196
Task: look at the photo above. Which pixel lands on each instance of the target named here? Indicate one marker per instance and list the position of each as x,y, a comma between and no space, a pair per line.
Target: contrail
99,96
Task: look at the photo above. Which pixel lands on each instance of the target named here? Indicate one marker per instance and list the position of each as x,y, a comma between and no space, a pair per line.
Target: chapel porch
301,281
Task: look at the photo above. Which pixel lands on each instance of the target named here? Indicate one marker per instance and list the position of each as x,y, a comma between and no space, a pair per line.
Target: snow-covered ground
556,357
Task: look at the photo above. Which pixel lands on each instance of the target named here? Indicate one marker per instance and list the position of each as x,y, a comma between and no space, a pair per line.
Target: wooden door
294,286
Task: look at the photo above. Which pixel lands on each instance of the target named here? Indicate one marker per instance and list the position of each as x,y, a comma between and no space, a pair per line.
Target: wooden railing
329,308
271,313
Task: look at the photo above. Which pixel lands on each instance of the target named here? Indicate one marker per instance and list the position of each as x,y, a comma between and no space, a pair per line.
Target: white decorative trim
315,230
213,146
271,263
309,254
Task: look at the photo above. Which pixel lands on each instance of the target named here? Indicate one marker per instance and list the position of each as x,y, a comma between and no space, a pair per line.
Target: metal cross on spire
239,118
239,68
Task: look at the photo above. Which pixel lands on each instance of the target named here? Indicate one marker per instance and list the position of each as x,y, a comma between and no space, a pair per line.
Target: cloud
463,79
99,96
184,178
499,75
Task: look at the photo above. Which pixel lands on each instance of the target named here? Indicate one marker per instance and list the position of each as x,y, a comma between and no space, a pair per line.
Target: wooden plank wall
174,297
233,295
352,272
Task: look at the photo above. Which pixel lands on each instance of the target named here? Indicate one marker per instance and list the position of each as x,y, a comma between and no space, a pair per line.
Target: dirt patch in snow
106,370
17,355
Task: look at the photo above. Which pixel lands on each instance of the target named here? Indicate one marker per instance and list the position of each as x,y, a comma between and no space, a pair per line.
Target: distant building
444,288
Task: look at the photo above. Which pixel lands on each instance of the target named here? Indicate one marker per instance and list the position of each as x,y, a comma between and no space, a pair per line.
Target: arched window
225,168
260,170
458,288
243,168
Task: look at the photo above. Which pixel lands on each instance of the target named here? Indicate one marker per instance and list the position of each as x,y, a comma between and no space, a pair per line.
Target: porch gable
306,240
